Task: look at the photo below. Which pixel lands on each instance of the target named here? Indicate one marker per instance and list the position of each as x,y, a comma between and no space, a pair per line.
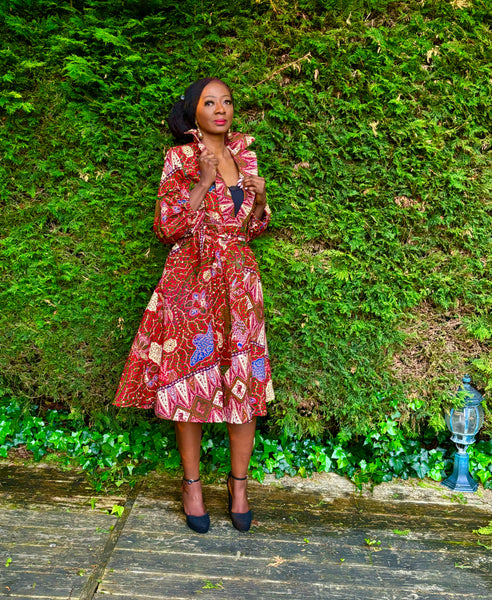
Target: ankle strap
190,481
238,478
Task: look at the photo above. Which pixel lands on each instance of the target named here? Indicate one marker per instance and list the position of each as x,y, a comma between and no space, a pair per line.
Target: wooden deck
57,541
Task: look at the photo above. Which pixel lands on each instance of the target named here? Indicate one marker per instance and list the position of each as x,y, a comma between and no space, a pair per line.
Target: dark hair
182,115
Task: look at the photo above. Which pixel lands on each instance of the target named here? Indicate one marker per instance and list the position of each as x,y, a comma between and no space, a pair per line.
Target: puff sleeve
176,218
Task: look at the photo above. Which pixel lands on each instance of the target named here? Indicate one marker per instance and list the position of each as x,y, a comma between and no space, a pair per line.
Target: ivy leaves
116,451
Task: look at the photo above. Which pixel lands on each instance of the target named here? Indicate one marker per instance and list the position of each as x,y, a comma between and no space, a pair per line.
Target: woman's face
214,110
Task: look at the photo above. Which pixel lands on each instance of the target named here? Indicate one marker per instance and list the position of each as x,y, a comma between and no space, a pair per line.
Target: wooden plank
56,519
55,584
38,486
172,587
50,553
347,545
38,558
165,516
377,567
159,486
308,510
45,535
251,594
174,524
37,596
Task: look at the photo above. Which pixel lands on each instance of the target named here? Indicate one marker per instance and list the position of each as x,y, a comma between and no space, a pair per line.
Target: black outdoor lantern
464,423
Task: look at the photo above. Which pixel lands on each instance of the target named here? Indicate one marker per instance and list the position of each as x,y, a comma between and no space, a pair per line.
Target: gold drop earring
200,134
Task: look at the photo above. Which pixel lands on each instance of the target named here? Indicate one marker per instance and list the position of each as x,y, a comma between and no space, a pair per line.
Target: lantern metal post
464,423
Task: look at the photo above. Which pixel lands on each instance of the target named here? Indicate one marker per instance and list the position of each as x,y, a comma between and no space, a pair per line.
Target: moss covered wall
373,123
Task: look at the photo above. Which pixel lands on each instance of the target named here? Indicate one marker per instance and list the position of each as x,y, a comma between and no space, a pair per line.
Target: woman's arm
208,164
257,185
174,216
178,209
261,213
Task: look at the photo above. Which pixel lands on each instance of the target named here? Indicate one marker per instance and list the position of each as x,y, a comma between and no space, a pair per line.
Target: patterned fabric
200,353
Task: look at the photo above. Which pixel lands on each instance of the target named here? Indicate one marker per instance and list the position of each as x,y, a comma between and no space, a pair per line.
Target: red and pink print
200,353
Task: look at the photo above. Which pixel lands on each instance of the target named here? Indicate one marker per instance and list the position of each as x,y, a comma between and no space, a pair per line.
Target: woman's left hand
256,184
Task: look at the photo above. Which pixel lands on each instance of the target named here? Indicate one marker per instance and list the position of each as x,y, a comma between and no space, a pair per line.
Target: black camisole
237,194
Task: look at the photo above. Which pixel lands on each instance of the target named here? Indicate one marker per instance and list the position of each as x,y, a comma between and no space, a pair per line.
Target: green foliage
114,452
487,530
372,120
110,452
384,453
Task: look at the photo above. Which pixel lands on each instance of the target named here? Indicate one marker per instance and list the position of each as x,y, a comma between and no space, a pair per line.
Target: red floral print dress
200,353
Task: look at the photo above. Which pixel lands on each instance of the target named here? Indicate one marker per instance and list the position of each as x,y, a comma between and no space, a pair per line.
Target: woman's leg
241,439
189,438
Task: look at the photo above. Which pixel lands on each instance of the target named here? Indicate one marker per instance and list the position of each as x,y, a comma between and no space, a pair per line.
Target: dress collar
235,141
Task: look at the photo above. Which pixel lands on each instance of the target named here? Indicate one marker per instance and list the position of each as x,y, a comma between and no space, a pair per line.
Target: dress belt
226,236
212,236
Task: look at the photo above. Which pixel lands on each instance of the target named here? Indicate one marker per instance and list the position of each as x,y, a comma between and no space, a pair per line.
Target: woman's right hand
208,163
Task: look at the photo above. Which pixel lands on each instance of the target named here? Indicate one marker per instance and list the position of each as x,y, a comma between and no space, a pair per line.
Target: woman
200,354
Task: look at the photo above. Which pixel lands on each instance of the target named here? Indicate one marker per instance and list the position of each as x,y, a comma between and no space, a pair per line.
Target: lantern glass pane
447,417
480,416
466,420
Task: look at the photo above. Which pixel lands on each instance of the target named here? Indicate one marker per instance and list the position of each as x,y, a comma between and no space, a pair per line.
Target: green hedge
372,121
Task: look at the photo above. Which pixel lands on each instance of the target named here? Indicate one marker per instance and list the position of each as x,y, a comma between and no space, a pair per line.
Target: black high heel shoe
198,524
241,521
